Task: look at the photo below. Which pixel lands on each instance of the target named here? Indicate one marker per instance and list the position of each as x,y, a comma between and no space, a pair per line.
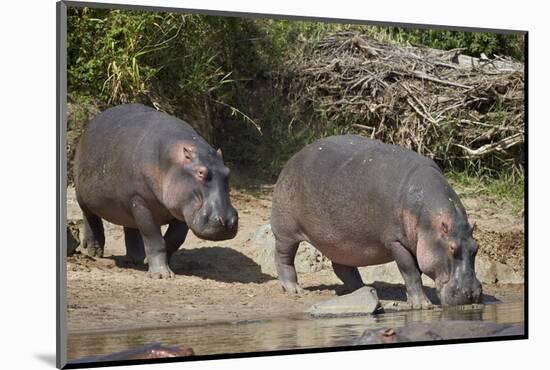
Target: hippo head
446,252
195,187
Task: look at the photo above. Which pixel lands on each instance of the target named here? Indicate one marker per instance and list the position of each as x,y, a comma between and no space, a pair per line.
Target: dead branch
416,97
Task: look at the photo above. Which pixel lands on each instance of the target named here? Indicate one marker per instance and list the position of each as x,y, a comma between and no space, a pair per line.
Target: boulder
363,301
308,259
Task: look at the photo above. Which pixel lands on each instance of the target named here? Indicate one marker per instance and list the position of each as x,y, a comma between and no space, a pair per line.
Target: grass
508,187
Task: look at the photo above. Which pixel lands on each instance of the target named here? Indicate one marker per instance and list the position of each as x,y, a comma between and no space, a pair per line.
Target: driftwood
441,103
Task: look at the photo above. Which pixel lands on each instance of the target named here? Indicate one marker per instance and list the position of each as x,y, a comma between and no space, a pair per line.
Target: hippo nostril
220,220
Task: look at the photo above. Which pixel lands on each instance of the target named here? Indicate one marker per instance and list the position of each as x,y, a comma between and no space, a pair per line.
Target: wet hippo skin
148,351
438,331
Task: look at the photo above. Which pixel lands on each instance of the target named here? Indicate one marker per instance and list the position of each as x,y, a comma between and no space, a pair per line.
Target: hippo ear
219,151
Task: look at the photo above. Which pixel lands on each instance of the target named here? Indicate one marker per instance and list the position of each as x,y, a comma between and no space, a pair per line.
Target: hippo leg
135,251
155,246
285,251
175,236
94,235
349,275
411,274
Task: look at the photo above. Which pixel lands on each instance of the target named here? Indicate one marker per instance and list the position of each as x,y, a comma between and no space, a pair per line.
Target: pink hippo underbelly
351,253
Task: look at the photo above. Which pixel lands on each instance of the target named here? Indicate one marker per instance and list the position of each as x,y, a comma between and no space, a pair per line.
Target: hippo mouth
452,294
206,228
214,232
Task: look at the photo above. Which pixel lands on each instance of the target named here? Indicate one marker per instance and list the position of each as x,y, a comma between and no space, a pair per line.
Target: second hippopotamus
362,202
140,168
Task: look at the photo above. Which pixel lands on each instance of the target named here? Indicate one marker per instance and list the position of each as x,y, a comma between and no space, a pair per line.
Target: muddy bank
223,281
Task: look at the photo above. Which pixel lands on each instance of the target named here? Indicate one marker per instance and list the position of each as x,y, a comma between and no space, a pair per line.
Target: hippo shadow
393,292
218,263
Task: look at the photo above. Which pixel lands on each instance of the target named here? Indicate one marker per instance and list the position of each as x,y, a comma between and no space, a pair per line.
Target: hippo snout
455,295
216,226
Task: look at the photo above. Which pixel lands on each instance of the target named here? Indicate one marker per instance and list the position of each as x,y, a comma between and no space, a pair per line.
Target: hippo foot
160,272
423,304
93,250
291,288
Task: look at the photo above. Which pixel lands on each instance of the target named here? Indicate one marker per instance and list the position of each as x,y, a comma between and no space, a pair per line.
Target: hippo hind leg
285,251
175,236
94,235
349,275
135,251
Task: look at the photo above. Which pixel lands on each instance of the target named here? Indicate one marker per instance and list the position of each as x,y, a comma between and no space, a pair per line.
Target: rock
73,239
486,271
361,302
437,331
73,210
492,272
308,259
506,275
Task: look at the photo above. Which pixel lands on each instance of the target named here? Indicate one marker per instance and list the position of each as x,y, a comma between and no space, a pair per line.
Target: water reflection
300,331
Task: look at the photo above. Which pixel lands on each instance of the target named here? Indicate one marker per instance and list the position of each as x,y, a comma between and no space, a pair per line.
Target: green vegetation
507,186
473,43
223,75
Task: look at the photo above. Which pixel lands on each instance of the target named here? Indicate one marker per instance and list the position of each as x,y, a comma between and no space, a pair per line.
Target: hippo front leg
411,274
155,246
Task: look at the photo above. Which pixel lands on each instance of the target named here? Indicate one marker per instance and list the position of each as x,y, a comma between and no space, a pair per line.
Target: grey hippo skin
438,331
361,202
140,168
147,351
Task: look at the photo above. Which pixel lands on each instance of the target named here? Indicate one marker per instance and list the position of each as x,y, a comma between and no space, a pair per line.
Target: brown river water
280,333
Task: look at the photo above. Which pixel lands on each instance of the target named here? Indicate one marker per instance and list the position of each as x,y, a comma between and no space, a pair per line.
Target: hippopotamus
439,330
361,202
145,352
141,168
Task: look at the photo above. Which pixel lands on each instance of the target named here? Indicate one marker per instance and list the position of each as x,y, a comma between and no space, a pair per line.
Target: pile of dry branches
440,103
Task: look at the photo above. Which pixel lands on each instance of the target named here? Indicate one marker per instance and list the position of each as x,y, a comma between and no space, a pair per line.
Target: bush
221,74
